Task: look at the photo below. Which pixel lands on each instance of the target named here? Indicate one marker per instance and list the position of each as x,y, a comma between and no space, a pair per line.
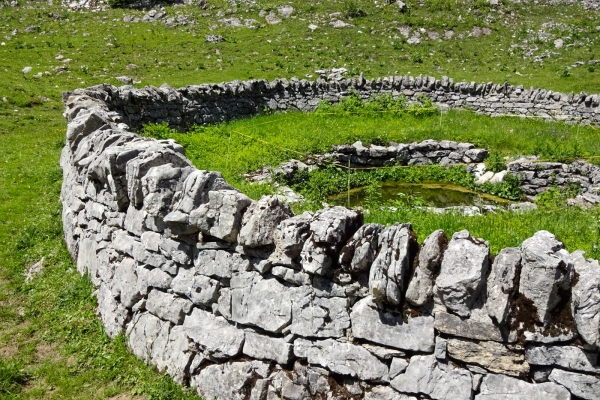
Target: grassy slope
51,345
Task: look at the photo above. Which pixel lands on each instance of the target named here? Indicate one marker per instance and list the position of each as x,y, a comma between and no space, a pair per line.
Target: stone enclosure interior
242,299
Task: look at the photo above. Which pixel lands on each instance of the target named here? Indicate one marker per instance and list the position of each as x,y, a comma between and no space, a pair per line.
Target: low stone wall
241,299
210,103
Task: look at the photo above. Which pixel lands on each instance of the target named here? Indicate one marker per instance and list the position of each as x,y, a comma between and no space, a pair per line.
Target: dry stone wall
242,299
210,103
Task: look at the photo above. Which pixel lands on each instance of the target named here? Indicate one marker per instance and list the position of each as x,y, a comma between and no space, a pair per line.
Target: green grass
51,344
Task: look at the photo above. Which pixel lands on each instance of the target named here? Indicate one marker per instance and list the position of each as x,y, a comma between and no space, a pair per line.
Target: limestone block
195,190
342,358
426,376
420,288
221,216
231,381
200,289
583,386
492,356
143,330
317,316
289,237
168,306
463,271
378,326
388,275
260,221
567,357
469,328
265,303
386,393
267,348
219,263
585,301
546,268
501,283
213,335
497,387
360,251
112,314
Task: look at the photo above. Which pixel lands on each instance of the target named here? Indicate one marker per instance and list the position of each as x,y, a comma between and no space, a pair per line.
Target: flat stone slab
584,386
492,356
342,358
470,329
502,387
374,325
568,357
214,334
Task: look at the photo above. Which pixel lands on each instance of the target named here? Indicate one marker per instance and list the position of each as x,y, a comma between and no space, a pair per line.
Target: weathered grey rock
383,353
323,287
492,356
499,387
318,316
219,263
342,358
168,306
221,216
360,251
389,271
177,251
159,279
585,300
200,289
195,190
113,314
213,335
265,303
463,271
260,221
379,326
501,283
583,386
420,288
267,348
397,367
142,331
567,357
292,276
232,381
174,355
125,283
469,328
386,393
290,236
426,376
330,228
546,269
441,348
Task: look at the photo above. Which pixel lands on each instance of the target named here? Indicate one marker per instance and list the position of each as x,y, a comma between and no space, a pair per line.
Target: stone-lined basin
435,194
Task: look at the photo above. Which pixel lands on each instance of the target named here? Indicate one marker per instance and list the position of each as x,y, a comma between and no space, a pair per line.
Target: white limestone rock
289,237
388,273
501,285
267,348
318,316
462,273
567,357
546,268
425,375
221,216
168,306
260,221
379,326
142,331
469,328
585,300
502,387
219,264
342,358
420,288
360,251
112,313
213,335
386,393
200,289
265,303
583,386
231,381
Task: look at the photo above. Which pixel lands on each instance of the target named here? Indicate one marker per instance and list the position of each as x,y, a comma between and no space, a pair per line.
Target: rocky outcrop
241,299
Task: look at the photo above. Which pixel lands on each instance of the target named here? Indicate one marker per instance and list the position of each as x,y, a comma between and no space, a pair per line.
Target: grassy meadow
51,344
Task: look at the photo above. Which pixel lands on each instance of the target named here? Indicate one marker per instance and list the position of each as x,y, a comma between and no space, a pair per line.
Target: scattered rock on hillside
26,70
214,38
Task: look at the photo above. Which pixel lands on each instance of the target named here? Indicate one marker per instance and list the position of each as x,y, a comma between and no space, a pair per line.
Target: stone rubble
241,299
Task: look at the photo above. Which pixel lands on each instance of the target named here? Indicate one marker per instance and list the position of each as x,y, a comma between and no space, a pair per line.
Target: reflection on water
420,194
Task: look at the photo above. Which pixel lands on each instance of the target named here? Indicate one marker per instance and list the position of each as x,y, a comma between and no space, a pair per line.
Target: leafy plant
495,162
353,10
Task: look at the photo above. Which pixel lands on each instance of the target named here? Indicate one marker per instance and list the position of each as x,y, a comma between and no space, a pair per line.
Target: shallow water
433,194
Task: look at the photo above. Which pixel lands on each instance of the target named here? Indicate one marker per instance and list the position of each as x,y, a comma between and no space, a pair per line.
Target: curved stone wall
241,299
210,103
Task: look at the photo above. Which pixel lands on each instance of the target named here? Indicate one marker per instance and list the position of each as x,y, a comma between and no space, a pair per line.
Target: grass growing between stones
51,344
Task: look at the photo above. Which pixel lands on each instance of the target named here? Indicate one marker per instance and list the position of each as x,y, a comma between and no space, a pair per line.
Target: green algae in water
434,194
